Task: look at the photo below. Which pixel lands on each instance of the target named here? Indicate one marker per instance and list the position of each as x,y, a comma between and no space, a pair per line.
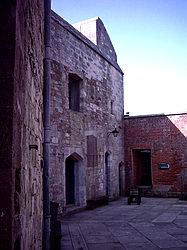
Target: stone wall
21,73
95,31
7,49
82,137
165,137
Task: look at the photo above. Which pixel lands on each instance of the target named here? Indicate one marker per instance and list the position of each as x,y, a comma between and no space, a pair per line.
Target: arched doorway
107,173
75,186
120,173
70,180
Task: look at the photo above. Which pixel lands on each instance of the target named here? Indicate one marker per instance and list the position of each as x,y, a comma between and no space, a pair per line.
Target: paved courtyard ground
155,224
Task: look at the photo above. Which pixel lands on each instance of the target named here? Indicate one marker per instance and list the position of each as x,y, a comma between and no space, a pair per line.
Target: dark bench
97,202
134,195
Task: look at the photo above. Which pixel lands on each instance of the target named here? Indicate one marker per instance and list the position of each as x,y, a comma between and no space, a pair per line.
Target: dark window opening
112,107
74,92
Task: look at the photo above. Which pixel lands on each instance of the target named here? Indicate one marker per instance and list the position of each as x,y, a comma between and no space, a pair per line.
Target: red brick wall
165,136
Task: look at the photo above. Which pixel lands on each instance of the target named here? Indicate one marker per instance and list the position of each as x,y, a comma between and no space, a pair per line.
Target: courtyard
157,223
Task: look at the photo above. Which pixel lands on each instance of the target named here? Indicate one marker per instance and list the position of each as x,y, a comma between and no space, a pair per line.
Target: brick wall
21,74
165,137
101,82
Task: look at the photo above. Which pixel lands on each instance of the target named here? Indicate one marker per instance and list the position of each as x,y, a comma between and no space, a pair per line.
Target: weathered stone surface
108,228
101,84
21,76
95,31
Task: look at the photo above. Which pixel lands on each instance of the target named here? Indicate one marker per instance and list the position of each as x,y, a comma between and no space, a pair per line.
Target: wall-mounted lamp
115,132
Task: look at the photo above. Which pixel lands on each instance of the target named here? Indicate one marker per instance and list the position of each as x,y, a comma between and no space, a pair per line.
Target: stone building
86,105
87,160
156,153
21,83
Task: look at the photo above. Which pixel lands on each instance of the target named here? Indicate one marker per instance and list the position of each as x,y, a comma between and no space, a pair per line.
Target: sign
164,166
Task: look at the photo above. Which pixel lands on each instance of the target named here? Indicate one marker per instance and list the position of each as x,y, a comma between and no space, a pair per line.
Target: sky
150,39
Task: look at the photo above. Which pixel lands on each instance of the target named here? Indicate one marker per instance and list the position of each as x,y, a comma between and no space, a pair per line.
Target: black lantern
115,132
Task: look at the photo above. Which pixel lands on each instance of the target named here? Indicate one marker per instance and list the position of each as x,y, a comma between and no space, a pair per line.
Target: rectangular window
112,107
74,92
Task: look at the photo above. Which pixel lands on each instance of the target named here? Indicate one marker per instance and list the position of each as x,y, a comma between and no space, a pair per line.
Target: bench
97,202
134,195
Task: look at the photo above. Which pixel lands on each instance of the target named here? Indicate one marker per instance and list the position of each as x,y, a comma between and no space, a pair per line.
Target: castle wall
83,135
21,73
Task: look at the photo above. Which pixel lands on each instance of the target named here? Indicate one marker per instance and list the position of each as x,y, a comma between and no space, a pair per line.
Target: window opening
112,107
74,92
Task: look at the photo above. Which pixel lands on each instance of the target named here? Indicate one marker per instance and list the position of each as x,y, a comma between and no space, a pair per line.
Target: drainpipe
46,124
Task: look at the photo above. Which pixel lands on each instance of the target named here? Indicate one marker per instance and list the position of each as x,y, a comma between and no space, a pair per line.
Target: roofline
87,20
83,38
152,115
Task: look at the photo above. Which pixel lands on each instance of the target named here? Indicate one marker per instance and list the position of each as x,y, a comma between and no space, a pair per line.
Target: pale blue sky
150,38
